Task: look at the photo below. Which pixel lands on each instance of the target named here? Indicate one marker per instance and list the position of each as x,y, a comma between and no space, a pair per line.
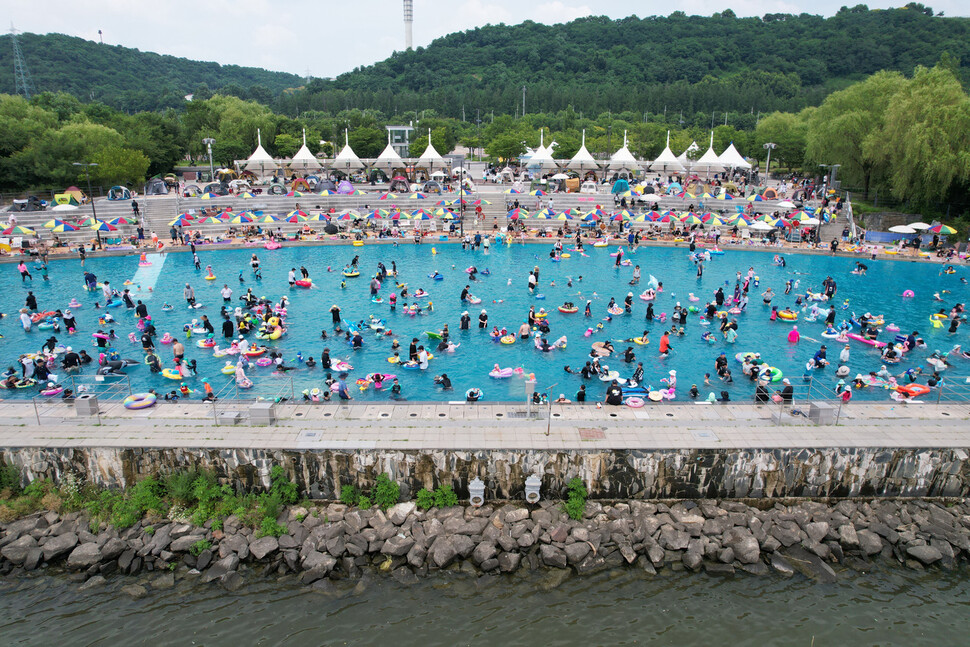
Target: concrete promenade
443,426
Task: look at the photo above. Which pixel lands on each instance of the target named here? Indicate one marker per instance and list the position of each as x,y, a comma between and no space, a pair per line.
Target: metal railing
108,390
231,403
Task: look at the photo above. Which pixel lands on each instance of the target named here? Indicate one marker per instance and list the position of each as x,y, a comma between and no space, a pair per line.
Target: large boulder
84,556
59,546
925,554
263,547
184,544
552,556
398,514
397,546
18,550
220,568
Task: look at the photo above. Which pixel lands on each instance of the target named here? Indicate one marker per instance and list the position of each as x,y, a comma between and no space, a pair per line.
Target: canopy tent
582,160
399,183
709,161
685,159
667,161
623,160
389,159
304,160
430,158
260,160
66,199
542,157
119,193
347,159
156,186
731,158
345,188
620,186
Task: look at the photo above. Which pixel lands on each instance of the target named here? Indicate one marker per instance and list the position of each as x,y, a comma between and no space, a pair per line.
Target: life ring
228,369
615,310
566,256
474,395
358,243
639,342
139,401
634,402
56,390
211,277
600,244
171,374
501,373
255,352
263,361
393,359
908,294
508,339
344,366
568,311
206,343
47,325
788,316
775,374
166,339
304,283
599,348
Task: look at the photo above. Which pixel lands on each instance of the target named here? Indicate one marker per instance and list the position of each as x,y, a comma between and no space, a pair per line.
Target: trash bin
86,404
821,413
262,413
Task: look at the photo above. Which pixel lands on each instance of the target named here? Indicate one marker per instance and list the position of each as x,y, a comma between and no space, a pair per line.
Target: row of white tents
346,160
623,159
540,159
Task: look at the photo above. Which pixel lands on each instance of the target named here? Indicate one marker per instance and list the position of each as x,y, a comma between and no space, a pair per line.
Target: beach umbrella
350,212
624,214
85,221
268,218
653,197
19,230
118,220
715,222
65,207
480,202
512,191
707,196
64,226
942,229
375,214
761,226
328,192
667,217
242,217
294,216
724,195
50,224
545,213
591,217
801,216
902,229
388,196
443,203
812,222
919,226
317,217
692,219
294,194
357,192
448,215
563,215
755,198
296,212
211,220
397,215
209,196
420,214
520,212
417,196
103,226
787,204
538,192
687,214
246,195
707,216
181,221
343,215
741,222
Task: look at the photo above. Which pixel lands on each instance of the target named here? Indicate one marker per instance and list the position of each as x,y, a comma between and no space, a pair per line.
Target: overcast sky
329,37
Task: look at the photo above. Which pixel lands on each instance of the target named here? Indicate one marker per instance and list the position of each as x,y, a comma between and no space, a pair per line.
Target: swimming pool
506,299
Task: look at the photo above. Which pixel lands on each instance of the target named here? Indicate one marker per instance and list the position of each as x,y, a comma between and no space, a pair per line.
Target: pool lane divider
147,276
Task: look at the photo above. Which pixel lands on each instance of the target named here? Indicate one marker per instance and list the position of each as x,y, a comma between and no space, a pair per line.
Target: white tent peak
582,160
542,158
623,158
667,161
389,157
709,161
260,160
431,157
347,158
731,158
304,159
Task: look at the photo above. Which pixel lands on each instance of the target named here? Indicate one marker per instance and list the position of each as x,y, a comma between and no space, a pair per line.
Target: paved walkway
487,427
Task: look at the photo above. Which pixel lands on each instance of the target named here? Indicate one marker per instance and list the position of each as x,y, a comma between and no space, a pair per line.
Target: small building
400,139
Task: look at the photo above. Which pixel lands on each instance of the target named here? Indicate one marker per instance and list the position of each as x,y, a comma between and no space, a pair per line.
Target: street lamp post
94,211
770,146
208,141
461,198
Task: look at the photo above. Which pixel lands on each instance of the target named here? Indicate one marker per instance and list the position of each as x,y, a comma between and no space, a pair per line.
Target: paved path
488,427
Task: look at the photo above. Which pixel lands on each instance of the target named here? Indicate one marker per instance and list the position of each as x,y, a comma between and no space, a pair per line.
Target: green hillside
129,79
684,63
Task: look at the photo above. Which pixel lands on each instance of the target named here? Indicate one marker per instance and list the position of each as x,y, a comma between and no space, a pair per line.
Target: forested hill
688,63
129,79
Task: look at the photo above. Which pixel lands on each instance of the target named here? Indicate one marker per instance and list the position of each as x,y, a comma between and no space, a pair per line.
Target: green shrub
200,546
575,504
10,479
180,486
386,492
364,503
269,527
349,495
281,486
445,497
424,499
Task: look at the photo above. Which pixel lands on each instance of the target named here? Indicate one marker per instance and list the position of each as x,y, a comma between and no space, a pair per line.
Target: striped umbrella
118,220
420,214
343,215
317,217
64,226
544,214
376,214
943,229
715,222
294,216
624,214
480,202
801,216
50,224
397,214
297,212
692,219
103,226
448,215
328,192
357,192
354,215
388,196
512,191
515,214
211,220
87,221
181,221
209,196
707,216
564,215
417,196
19,230
755,198
443,203
268,218
246,195
538,192
294,194
242,217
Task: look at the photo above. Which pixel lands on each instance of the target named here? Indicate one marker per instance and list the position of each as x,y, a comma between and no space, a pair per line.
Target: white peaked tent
683,159
582,160
709,162
667,161
623,159
430,158
260,161
542,158
304,160
731,158
347,160
388,160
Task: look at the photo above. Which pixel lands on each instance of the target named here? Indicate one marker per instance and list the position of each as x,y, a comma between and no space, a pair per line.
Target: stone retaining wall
608,474
337,542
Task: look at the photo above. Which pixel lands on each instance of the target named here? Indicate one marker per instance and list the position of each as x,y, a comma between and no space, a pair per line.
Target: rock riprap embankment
333,541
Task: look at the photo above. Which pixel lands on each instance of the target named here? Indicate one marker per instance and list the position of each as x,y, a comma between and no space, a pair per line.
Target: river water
888,606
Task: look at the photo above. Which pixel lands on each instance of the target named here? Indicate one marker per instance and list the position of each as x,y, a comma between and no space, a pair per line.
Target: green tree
368,141
788,131
286,145
51,156
505,148
119,165
844,128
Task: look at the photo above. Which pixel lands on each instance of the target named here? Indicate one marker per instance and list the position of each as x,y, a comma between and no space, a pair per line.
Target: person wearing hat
720,364
464,322
628,302
671,380
25,319
71,360
844,355
335,314
761,392
614,394
693,393
787,392
483,319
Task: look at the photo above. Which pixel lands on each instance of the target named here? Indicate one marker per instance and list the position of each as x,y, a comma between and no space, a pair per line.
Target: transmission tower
408,21
22,82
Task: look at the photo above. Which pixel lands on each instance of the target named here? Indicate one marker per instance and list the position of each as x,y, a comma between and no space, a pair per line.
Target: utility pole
208,141
770,146
523,100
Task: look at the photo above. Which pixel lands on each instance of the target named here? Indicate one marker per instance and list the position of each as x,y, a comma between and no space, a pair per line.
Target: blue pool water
507,305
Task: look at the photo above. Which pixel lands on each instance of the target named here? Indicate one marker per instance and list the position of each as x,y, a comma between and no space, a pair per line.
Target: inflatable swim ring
508,339
358,243
474,395
351,274
139,401
304,283
263,361
501,373
171,374
54,390
634,402
228,369
568,311
787,316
